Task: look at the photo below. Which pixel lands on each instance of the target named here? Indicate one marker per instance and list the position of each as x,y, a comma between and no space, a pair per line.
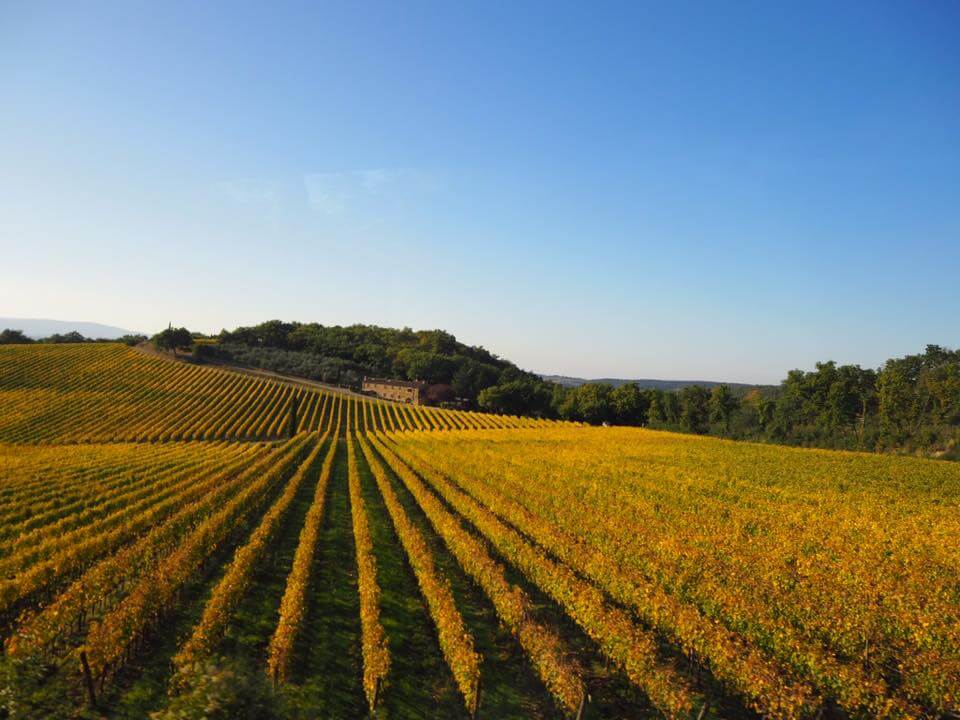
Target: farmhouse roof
396,383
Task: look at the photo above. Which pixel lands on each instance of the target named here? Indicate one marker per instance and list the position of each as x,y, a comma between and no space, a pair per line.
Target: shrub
218,690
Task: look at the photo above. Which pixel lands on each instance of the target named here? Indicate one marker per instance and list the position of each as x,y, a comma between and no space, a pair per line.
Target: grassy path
420,685
142,686
510,688
327,676
248,634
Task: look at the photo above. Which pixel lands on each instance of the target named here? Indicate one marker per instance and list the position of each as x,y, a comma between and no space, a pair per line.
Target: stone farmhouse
407,391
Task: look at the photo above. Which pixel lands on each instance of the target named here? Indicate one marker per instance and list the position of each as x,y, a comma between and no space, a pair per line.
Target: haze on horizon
717,191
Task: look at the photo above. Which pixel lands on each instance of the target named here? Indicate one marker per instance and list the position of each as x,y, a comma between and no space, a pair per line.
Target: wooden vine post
292,421
583,706
476,702
88,679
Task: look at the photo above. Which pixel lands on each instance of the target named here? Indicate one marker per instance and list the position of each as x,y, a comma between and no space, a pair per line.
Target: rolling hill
37,328
647,383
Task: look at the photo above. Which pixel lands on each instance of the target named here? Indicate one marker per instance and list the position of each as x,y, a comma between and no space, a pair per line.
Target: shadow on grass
248,635
141,688
510,687
328,666
420,684
611,693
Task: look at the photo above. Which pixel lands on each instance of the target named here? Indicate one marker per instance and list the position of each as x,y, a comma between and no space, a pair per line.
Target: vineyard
112,393
170,532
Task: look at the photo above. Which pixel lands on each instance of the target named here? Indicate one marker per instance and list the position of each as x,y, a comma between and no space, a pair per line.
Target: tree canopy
14,337
911,403
172,338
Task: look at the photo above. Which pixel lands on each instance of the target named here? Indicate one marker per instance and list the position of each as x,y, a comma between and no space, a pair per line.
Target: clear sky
706,190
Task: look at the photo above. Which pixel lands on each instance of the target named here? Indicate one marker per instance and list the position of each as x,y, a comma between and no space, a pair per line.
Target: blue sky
680,190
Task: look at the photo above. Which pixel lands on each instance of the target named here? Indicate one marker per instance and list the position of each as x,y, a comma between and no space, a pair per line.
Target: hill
344,355
127,396
649,384
37,328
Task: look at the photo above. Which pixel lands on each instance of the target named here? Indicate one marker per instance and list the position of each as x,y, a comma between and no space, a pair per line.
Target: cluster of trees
16,337
344,355
173,339
911,403
332,370
693,408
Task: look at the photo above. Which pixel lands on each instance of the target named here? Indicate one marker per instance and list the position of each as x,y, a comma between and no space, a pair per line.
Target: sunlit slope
798,577
65,508
109,392
527,573
369,564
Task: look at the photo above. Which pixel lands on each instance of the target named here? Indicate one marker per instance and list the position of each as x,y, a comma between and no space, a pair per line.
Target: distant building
407,391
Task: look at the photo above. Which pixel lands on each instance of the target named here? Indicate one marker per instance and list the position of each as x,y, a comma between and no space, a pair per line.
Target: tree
563,400
14,337
919,391
71,337
272,333
851,397
593,403
437,341
694,409
517,397
722,406
336,352
629,405
292,416
440,394
132,339
172,338
374,357
755,413
671,409
471,377
656,415
221,690
422,365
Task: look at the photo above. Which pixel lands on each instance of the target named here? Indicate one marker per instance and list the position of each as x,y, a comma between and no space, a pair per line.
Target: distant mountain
646,383
41,328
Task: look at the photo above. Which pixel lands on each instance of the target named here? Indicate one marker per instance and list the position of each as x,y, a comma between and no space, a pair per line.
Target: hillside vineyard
163,522
111,393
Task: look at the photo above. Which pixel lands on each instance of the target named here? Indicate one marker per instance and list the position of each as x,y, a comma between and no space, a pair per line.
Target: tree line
911,403
11,336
